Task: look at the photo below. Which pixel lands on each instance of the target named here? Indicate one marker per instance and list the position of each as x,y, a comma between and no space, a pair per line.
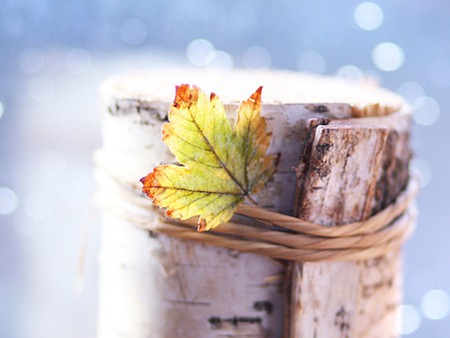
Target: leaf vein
196,190
191,144
198,161
244,191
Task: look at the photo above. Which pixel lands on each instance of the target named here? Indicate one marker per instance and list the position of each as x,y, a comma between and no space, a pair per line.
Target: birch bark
155,286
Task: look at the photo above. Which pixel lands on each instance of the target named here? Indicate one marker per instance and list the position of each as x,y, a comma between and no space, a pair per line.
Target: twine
259,231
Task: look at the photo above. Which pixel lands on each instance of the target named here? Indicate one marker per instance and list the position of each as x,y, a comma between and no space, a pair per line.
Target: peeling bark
348,173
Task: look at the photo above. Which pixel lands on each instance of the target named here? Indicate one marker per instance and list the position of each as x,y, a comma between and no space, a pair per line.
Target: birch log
348,173
155,286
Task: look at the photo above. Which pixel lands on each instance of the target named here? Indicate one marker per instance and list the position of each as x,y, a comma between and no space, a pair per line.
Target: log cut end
321,94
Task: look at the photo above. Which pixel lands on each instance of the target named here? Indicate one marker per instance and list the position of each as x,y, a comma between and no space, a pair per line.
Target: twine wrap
256,230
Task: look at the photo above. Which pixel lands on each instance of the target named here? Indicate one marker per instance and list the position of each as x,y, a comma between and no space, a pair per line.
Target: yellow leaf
220,166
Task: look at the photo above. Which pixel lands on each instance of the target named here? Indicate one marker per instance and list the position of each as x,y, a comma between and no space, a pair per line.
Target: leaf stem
252,200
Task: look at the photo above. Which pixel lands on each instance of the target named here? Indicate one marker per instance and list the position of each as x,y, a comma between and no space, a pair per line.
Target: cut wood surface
152,285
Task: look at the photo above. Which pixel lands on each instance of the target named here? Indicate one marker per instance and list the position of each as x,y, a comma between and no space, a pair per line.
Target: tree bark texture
152,285
349,172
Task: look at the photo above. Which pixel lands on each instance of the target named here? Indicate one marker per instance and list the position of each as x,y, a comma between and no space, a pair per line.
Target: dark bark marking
152,234
217,322
341,320
369,290
147,111
264,305
233,253
321,109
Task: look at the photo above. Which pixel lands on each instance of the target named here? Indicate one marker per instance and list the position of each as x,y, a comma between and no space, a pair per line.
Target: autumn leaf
220,165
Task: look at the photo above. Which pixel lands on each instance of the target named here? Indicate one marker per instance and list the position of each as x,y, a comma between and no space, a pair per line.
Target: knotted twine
256,230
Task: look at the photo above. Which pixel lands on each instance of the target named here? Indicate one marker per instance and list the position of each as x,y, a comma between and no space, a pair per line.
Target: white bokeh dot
41,88
8,201
350,72
388,56
409,320
435,304
368,16
78,61
200,52
256,57
133,32
2,108
312,62
31,60
221,59
423,169
411,90
426,111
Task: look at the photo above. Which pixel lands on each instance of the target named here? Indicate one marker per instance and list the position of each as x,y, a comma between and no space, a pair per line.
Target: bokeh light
2,108
350,72
411,90
435,304
221,59
426,111
409,319
423,169
55,54
200,52
133,32
388,56
256,57
8,201
312,62
368,16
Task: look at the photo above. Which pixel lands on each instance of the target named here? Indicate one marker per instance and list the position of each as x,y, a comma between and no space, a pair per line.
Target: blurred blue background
53,55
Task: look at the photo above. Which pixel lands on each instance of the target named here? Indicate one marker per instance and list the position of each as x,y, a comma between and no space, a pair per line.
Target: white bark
156,286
